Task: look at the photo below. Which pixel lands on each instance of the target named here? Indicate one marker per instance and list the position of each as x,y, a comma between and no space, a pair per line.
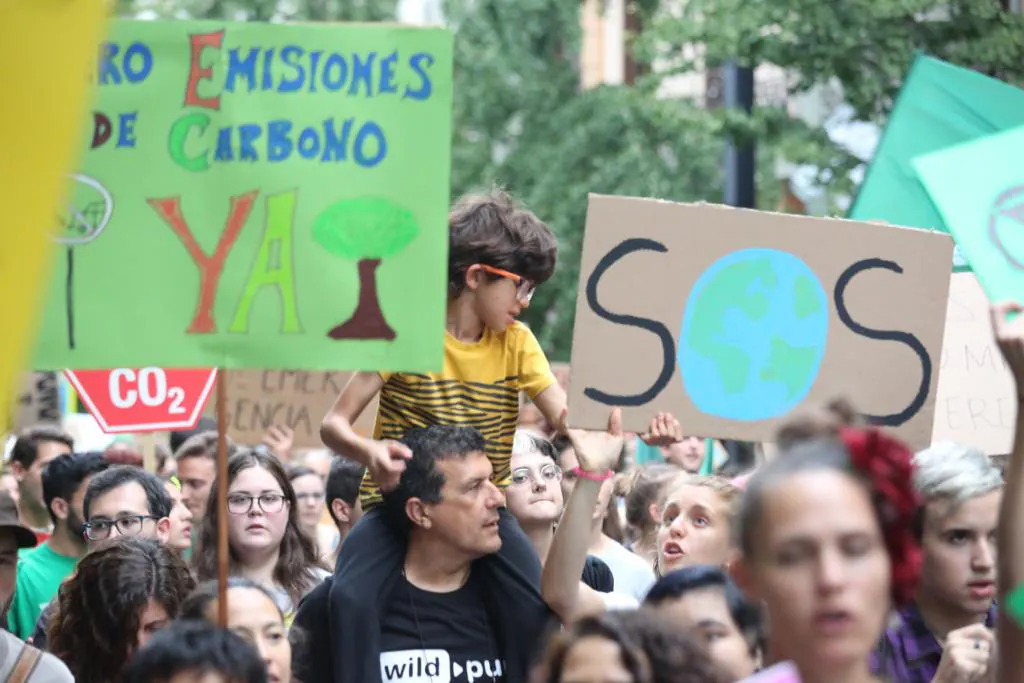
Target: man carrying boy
498,254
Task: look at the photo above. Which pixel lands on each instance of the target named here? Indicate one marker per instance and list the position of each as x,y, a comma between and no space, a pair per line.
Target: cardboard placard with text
733,318
37,401
976,401
299,399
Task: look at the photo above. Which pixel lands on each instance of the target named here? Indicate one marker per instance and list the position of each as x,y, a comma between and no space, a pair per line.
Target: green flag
940,105
978,188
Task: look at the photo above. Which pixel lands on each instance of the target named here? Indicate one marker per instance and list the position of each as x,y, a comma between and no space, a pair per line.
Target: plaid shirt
908,652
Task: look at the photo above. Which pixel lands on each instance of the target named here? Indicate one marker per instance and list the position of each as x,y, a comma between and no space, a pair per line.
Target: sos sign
143,399
732,319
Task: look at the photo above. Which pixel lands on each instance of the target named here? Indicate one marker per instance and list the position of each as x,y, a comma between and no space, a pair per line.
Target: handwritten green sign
252,195
978,187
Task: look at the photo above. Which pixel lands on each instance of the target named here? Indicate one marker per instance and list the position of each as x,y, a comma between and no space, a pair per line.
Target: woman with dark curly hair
117,598
625,647
264,540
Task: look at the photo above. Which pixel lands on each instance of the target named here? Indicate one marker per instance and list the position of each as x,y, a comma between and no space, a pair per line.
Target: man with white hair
946,635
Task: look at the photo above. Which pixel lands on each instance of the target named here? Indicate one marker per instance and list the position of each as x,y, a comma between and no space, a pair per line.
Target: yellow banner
49,49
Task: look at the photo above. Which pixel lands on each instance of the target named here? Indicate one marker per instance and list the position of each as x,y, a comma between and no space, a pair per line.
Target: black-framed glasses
241,503
549,473
129,525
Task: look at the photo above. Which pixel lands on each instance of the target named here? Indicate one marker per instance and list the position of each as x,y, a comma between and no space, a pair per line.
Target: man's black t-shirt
439,637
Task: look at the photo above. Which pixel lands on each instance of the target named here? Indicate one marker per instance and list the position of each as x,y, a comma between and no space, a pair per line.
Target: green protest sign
978,188
939,106
253,195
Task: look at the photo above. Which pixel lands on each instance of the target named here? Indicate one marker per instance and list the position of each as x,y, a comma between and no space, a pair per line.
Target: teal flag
978,188
940,105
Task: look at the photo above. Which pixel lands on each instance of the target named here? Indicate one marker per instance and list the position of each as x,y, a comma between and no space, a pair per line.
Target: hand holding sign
598,452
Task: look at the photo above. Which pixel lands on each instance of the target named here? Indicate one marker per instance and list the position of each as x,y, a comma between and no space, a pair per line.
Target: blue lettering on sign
365,144
244,67
133,64
292,69
126,135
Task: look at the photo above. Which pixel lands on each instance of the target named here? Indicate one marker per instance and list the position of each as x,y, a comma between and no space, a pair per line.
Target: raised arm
1009,335
560,583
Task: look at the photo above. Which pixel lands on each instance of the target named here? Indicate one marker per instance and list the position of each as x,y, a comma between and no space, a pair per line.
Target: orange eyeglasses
524,288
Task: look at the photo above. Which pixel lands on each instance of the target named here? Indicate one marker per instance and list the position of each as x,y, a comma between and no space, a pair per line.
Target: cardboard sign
299,399
976,401
732,318
37,401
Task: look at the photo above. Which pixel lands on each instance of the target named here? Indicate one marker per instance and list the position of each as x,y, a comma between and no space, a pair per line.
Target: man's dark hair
343,483
157,498
196,647
202,445
421,478
205,424
63,476
26,447
745,613
493,229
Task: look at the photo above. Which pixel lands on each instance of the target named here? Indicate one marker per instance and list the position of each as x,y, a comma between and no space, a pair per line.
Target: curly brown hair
94,629
652,651
494,229
298,556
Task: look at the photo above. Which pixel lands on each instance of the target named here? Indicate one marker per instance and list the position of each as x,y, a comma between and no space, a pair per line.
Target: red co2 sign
143,399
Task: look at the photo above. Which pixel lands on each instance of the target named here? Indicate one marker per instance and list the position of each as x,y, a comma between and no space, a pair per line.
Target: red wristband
592,476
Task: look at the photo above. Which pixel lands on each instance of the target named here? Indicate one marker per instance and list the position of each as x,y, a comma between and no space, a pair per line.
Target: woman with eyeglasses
535,496
265,543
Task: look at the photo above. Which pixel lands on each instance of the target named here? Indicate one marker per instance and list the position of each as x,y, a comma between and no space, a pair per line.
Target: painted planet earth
754,335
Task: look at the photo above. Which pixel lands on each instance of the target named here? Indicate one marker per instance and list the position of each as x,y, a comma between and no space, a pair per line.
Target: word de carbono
195,141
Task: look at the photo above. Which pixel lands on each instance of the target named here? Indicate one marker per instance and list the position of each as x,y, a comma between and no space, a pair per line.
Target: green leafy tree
864,45
365,230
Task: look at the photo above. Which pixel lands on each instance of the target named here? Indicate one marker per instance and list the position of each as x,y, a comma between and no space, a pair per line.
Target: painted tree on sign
365,230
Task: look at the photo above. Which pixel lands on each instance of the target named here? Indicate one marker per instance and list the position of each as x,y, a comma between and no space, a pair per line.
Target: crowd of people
476,536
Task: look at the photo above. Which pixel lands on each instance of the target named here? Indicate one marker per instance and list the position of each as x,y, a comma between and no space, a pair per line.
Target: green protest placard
253,195
939,106
978,187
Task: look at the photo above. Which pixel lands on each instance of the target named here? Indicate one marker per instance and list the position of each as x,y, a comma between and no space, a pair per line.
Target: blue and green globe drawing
753,336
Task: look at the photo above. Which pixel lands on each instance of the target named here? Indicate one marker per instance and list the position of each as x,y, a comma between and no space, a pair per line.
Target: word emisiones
289,69
293,69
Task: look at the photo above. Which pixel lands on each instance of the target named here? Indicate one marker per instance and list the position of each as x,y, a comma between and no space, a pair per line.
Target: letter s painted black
910,340
622,250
